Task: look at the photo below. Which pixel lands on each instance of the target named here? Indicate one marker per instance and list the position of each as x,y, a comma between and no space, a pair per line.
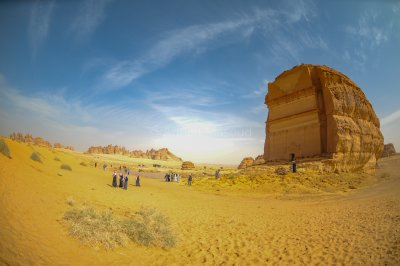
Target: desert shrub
4,148
83,164
57,159
66,167
150,228
95,228
35,156
281,171
385,175
70,201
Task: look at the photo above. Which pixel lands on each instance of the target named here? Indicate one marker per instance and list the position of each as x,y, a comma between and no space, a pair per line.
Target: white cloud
90,15
39,24
196,39
390,118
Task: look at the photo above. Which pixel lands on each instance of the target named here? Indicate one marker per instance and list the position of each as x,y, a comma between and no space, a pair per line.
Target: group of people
171,177
123,180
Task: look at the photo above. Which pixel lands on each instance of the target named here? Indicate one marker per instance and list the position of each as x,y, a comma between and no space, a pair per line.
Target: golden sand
361,226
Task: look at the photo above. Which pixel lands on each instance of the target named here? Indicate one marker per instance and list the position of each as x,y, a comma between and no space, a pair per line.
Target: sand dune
360,227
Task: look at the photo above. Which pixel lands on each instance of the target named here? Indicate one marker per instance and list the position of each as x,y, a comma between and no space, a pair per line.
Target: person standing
125,180
114,182
138,180
190,179
121,182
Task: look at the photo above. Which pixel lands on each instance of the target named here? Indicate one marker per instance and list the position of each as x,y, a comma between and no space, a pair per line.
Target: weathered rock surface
316,111
388,150
17,136
187,165
259,160
162,154
246,162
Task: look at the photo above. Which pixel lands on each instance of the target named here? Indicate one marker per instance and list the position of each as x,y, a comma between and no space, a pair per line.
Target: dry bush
281,171
146,227
70,201
35,156
83,164
4,148
95,228
57,159
66,167
150,228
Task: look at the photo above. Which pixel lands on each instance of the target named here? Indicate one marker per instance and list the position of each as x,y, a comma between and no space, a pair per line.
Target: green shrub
57,159
35,156
83,164
66,167
4,148
94,228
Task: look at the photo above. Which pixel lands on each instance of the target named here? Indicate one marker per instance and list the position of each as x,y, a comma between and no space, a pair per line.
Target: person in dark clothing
125,181
114,182
138,181
121,182
190,179
294,166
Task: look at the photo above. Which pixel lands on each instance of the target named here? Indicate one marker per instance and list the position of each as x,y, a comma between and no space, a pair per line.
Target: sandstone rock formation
316,111
17,136
388,150
187,165
162,154
259,160
246,162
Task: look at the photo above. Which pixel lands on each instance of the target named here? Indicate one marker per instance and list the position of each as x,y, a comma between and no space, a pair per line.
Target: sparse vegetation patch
35,156
4,148
83,164
66,167
56,159
96,228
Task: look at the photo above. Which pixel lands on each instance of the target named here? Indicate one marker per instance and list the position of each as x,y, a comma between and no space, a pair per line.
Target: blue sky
187,75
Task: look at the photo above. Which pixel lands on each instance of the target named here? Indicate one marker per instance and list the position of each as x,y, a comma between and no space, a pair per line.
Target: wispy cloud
390,118
90,15
196,39
39,24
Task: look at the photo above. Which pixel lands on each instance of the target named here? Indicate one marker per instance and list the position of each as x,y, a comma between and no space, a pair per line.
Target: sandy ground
361,227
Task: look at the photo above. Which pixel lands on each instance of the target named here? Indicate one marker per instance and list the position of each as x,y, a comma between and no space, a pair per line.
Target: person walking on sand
190,179
114,182
176,177
125,180
138,180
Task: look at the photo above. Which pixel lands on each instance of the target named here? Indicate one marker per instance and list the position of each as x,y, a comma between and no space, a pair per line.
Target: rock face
187,165
316,111
259,160
246,162
162,154
388,150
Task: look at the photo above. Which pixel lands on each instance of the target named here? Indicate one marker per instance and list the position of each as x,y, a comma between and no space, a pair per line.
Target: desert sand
354,227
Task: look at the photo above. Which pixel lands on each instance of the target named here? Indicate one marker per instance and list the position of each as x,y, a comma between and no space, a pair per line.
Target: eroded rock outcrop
246,162
388,150
316,111
187,165
162,154
259,160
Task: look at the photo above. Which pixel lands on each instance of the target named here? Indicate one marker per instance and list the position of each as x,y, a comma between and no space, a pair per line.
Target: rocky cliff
162,154
316,111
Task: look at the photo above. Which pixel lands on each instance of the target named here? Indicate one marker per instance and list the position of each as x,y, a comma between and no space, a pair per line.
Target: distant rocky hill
162,154
388,150
27,138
